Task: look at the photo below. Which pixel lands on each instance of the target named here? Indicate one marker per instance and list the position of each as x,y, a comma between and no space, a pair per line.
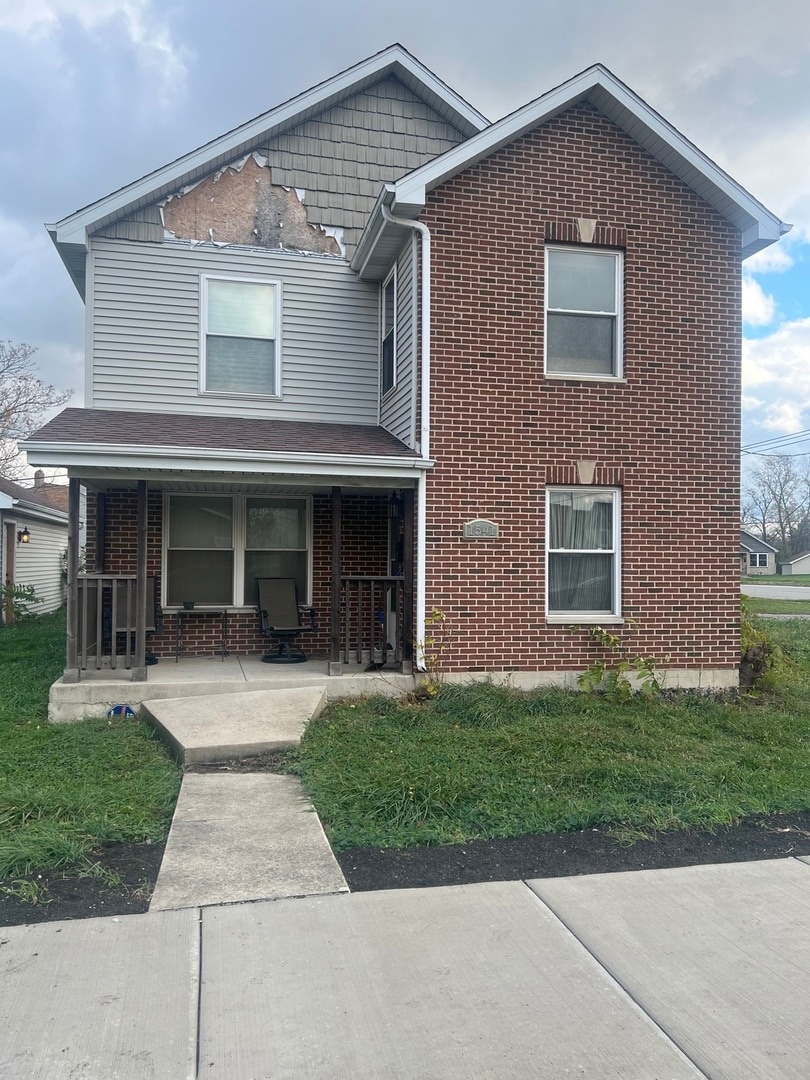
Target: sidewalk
652,975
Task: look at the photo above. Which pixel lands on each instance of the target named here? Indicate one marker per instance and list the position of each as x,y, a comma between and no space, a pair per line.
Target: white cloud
141,20
775,259
784,417
758,307
778,366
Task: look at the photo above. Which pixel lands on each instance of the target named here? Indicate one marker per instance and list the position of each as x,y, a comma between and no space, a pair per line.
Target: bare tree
24,401
776,503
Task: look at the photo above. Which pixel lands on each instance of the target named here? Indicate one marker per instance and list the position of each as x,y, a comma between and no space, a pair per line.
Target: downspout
424,430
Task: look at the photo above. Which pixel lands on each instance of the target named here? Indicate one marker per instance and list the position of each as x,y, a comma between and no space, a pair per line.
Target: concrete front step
222,727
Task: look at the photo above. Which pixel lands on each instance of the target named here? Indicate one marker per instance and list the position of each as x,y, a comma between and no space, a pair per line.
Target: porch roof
96,439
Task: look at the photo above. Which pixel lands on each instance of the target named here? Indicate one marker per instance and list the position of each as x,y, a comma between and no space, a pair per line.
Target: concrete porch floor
98,691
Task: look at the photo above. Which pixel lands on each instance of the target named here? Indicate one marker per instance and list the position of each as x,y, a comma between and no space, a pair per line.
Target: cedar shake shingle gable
113,427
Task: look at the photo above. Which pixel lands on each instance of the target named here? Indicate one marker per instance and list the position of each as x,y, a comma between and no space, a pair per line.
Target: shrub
764,664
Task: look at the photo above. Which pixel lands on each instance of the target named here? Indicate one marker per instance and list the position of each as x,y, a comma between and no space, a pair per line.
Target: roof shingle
114,427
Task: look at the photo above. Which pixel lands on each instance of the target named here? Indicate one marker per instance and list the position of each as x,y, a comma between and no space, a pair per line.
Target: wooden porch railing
375,620
106,619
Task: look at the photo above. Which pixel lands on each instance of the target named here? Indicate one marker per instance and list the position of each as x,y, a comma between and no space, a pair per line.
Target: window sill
585,620
238,396
575,376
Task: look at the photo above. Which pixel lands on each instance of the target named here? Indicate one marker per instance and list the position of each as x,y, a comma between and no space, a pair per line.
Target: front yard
486,762
481,762
67,789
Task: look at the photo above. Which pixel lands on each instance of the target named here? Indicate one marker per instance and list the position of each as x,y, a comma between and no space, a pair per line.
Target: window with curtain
240,337
388,333
217,545
583,312
583,552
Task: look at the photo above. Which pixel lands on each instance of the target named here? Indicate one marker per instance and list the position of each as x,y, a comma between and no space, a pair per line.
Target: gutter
424,428
123,455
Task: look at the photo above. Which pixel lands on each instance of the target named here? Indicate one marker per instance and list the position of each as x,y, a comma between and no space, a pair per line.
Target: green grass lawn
65,789
762,605
484,762
776,579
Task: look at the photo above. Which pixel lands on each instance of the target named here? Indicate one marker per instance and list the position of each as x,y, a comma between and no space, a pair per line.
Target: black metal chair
280,616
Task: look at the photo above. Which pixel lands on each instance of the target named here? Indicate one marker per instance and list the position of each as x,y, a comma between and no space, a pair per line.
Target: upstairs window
240,337
582,544
388,333
583,312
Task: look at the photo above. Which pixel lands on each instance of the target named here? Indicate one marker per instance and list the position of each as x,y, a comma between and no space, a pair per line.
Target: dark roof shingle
183,431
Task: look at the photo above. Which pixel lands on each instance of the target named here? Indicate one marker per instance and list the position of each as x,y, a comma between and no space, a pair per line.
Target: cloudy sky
96,93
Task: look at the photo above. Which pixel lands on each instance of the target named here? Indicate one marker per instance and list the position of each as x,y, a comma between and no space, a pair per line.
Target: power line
779,440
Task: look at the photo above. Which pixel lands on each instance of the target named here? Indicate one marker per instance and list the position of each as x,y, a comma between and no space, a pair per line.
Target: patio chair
280,617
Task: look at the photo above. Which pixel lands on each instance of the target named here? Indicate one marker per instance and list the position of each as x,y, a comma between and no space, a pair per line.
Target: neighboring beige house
799,565
33,537
757,557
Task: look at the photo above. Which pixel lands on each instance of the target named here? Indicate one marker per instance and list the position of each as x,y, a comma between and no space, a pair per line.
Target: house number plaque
480,530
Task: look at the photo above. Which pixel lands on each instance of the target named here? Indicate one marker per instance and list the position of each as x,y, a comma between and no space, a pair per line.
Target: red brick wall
668,435
364,551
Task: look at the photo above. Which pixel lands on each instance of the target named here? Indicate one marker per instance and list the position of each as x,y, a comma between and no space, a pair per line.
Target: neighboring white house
33,537
757,557
799,565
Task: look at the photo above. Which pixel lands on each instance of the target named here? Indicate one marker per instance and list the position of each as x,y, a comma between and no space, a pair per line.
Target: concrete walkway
244,836
240,836
669,974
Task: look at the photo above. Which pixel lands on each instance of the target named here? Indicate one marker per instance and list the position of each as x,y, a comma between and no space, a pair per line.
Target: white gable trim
758,226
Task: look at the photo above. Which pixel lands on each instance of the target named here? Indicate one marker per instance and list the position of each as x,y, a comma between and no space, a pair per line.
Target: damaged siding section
310,189
242,205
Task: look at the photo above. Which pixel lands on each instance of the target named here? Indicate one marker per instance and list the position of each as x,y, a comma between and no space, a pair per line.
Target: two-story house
419,362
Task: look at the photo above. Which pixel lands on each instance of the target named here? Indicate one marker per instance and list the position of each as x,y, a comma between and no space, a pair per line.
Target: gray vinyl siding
39,563
397,411
144,224
146,327
341,158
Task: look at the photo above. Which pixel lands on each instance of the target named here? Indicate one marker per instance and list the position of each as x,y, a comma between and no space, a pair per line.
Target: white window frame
755,559
239,504
244,280
385,391
599,617
618,315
